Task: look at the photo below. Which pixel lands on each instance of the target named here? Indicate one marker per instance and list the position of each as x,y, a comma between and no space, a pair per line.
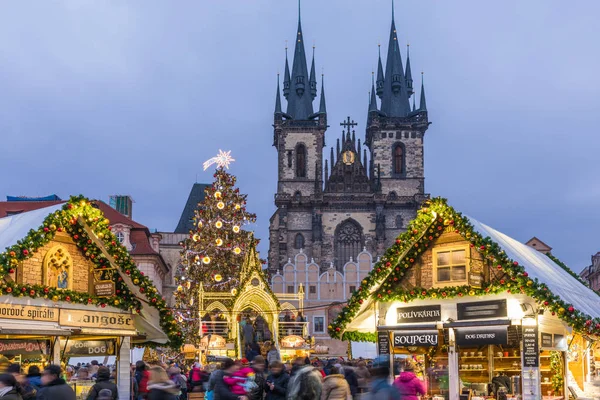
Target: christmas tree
214,252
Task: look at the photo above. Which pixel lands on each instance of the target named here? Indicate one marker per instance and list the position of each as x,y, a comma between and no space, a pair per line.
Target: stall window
319,324
450,265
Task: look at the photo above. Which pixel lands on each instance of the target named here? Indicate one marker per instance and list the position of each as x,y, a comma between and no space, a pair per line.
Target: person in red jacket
142,375
409,386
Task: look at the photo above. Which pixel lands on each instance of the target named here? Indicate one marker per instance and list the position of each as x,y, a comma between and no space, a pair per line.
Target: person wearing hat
407,383
53,386
379,388
103,382
258,365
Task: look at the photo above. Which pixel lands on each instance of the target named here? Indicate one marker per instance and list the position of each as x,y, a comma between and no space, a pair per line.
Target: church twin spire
300,88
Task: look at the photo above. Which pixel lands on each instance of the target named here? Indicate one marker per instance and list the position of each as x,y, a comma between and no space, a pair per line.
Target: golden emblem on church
348,157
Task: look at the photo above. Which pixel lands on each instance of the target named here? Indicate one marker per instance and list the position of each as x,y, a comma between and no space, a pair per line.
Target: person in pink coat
409,386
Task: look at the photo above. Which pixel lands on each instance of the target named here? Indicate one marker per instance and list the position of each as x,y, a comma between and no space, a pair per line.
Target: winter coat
335,387
35,381
237,381
305,384
215,377
222,390
57,389
12,395
352,379
163,391
248,333
142,378
273,355
363,375
409,386
280,385
258,392
103,384
380,389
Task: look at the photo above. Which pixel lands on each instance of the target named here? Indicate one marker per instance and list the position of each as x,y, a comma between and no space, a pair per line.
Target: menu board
531,351
383,343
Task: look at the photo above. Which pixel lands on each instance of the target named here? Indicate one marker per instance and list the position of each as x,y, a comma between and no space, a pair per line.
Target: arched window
299,241
300,161
399,221
398,159
348,242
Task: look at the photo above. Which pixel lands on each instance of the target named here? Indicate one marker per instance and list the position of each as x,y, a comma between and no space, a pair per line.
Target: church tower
299,138
394,131
363,196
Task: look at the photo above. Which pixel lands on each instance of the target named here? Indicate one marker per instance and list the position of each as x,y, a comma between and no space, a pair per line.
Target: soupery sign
94,319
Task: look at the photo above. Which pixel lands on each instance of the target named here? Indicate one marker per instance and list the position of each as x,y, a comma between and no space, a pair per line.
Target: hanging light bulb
237,206
236,229
219,224
179,288
218,278
206,259
189,284
233,291
200,224
237,250
197,258
220,205
196,237
192,301
219,242
218,194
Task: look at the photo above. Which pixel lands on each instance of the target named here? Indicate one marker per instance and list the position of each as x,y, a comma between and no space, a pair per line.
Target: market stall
475,311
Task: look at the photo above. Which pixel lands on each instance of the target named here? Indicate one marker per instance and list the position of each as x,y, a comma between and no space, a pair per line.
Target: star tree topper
223,159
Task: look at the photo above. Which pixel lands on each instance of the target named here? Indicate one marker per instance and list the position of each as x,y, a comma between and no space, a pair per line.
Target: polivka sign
28,313
93,319
415,338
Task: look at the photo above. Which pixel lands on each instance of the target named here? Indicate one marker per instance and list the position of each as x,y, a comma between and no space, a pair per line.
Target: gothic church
367,191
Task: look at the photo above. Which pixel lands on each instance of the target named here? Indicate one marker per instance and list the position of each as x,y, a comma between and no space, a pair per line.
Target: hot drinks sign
409,315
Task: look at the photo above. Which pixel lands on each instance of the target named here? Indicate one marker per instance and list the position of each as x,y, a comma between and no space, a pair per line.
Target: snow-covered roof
16,227
540,266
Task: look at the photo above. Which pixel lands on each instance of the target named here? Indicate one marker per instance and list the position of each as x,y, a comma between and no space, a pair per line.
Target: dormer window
451,265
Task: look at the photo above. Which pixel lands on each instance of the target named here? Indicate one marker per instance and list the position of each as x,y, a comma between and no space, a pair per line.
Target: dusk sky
130,97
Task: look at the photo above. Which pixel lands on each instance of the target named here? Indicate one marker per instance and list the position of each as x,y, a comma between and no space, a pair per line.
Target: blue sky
130,97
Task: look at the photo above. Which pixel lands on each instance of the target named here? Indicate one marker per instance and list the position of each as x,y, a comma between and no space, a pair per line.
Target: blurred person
363,375
93,370
273,355
9,388
103,382
409,386
197,378
53,386
241,381
34,377
160,387
305,382
179,380
379,387
142,376
350,376
27,391
104,394
221,389
277,382
258,365
335,386
82,374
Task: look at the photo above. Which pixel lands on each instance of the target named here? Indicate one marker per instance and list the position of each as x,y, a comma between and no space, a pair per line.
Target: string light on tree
214,252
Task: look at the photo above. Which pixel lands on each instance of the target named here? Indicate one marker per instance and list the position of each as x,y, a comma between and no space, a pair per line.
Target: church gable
497,264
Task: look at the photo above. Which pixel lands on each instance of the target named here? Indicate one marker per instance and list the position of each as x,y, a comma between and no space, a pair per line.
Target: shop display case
474,366
81,388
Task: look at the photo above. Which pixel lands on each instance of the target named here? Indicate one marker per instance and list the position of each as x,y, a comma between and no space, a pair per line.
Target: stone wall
288,141
31,270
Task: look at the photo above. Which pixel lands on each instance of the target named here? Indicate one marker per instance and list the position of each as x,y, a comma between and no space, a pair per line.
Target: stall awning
9,327
148,326
406,327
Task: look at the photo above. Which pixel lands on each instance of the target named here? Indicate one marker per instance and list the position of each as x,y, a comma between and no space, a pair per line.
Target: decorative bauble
218,195
68,298
32,292
236,229
54,298
46,290
206,260
571,309
237,206
220,205
11,271
136,281
237,250
12,254
234,291
117,302
192,301
52,227
179,288
200,224
195,237
25,252
218,278
219,224
219,242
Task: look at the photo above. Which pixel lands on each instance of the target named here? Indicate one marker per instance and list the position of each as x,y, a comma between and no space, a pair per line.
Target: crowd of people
256,379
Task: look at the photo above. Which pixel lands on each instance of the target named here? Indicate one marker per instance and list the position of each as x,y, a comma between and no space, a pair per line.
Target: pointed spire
364,158
338,149
348,135
394,101
327,169
286,75
353,139
332,158
358,150
373,100
278,99
322,108
299,105
414,105
422,103
313,78
409,79
380,76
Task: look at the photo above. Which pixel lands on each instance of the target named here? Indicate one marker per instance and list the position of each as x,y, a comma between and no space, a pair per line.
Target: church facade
362,196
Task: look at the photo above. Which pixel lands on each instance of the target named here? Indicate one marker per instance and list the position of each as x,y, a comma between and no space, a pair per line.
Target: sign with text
476,279
482,309
419,314
383,343
90,348
531,351
104,288
30,313
482,336
24,347
547,340
94,319
415,338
